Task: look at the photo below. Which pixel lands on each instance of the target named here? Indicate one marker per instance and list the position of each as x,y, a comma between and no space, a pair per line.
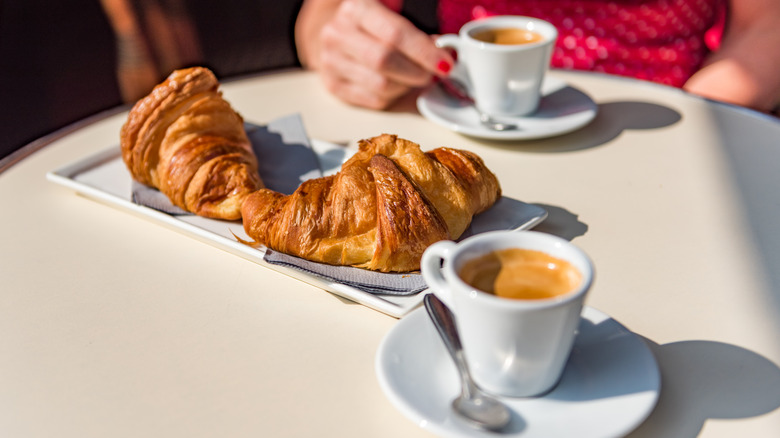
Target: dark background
58,58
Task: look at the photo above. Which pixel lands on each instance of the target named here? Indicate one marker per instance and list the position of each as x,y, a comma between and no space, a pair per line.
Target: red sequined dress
664,41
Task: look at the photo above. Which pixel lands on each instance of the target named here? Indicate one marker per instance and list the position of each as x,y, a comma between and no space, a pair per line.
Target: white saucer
610,385
562,109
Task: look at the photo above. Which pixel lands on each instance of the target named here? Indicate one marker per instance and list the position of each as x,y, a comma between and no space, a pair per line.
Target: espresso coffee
521,274
507,35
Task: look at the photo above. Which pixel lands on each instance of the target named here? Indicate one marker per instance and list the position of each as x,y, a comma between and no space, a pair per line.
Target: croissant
386,205
185,140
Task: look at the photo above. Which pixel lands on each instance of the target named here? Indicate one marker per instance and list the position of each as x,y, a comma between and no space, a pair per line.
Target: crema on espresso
507,35
521,274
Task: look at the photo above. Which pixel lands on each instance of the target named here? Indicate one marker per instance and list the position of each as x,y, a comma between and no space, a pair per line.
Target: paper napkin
365,280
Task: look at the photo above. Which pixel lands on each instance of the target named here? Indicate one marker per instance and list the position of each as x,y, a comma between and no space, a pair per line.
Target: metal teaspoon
456,88
472,404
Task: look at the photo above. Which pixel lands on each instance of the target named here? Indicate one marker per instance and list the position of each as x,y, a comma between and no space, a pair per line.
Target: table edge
30,148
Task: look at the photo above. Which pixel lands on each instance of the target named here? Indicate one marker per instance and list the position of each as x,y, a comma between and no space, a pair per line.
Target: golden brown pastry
386,205
187,141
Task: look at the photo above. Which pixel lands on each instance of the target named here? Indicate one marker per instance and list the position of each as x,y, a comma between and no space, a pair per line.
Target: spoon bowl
494,124
473,405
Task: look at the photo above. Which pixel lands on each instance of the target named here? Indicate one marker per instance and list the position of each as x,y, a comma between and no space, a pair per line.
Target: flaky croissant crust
187,141
386,205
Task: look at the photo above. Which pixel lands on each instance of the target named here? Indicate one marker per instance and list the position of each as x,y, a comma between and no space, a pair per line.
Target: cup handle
453,41
430,265
448,40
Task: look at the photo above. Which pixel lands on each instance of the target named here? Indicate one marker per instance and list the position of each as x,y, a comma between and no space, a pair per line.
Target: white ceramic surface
562,109
610,385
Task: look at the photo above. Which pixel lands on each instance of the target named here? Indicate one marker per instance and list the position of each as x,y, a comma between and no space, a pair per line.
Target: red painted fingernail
444,66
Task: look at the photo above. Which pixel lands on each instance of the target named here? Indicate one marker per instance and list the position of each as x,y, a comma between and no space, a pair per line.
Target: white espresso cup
513,347
505,79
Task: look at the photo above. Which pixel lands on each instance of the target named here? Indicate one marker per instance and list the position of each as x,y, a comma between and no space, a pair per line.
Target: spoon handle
455,88
478,409
444,321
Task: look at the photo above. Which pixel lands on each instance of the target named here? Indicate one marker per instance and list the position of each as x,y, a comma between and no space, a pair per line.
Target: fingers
348,37
370,56
350,77
412,47
356,89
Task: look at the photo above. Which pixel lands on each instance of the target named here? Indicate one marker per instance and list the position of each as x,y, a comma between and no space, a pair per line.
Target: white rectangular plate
104,177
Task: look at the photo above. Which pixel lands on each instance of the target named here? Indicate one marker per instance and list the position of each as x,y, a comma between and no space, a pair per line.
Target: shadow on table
612,119
702,380
561,222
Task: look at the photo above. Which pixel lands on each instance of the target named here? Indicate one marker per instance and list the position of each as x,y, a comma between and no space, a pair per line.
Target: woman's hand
365,53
